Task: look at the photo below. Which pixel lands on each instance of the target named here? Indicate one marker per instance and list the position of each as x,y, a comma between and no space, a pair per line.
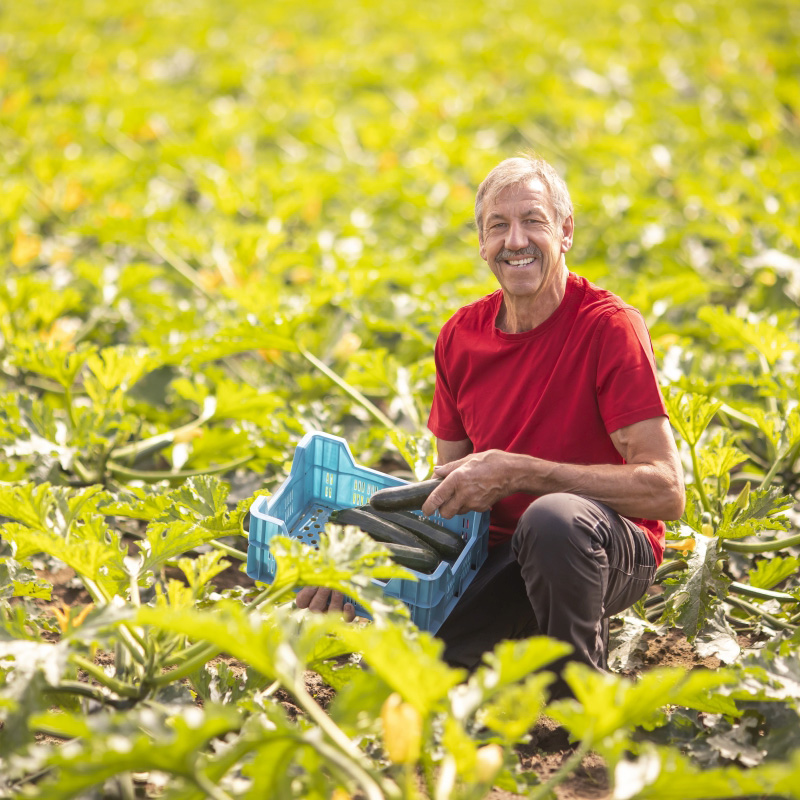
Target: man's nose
516,238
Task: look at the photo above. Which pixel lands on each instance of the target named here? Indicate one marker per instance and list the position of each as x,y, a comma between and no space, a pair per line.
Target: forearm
650,491
648,485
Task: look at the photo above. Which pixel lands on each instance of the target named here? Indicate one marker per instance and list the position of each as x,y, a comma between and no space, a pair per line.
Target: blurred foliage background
175,169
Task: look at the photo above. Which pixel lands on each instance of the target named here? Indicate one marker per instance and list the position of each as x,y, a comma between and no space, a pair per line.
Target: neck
520,314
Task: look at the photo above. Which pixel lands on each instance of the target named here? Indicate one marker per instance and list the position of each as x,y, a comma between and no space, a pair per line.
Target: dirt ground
549,745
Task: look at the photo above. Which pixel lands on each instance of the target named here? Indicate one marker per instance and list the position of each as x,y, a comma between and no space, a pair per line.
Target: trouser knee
551,530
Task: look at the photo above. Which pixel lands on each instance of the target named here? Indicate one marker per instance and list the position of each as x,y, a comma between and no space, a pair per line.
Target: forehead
521,197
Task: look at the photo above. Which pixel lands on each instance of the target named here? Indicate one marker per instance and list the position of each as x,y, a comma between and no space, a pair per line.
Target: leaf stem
200,647
667,568
351,390
743,605
372,789
83,690
788,458
761,594
562,773
354,756
180,266
760,547
155,443
132,640
190,665
228,550
698,480
208,787
120,471
773,471
122,689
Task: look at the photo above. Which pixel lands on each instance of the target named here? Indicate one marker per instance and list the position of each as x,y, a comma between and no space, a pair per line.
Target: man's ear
567,229
482,247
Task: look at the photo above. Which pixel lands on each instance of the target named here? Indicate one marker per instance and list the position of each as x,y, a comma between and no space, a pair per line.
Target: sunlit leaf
770,572
693,595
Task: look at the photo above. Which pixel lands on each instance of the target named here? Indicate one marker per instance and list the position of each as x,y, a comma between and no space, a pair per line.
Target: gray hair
516,171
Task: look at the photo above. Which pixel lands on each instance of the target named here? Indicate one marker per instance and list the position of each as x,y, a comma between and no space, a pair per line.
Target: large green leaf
770,572
693,595
666,775
407,661
138,742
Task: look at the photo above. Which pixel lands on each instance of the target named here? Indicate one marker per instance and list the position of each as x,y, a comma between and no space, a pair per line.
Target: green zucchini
379,529
414,557
408,497
407,550
446,543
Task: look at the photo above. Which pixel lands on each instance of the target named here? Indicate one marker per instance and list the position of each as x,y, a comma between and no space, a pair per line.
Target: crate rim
263,504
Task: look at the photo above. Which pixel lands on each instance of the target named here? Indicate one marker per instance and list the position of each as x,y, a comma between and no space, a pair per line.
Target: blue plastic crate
324,477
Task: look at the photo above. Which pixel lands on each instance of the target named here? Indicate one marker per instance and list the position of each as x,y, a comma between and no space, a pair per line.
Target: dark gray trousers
571,564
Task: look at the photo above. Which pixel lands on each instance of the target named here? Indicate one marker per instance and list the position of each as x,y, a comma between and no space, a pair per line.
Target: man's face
522,240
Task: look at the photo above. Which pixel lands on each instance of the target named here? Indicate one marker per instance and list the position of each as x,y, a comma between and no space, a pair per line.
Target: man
548,412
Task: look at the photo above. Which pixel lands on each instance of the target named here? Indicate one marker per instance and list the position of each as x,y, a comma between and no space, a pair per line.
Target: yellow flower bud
488,762
402,730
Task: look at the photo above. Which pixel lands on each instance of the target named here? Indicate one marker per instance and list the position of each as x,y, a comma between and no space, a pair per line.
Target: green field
225,224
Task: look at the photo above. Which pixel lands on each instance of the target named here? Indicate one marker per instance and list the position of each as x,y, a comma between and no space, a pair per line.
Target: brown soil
671,649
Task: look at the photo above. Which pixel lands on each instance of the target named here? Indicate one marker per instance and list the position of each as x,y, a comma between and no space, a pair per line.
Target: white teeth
521,262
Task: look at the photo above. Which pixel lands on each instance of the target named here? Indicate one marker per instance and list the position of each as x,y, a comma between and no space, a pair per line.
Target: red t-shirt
555,392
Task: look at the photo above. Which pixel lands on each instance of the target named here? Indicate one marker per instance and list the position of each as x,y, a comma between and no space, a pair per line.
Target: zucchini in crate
379,529
446,543
408,497
406,548
414,557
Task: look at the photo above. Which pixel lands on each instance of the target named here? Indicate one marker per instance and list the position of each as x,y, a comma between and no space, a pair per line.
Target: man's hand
318,598
473,483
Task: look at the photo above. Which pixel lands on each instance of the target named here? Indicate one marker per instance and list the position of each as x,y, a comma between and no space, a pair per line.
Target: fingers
348,610
321,600
443,470
305,596
439,498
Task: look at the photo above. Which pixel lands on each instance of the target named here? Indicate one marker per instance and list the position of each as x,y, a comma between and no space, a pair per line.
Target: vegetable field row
225,224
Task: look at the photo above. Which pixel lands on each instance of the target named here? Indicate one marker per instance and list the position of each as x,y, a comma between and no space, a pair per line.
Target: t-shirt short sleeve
627,384
444,421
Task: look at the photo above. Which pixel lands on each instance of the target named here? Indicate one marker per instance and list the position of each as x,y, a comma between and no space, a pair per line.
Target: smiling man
547,411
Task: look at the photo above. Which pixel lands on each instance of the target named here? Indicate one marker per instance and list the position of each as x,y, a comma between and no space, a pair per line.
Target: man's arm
650,485
451,451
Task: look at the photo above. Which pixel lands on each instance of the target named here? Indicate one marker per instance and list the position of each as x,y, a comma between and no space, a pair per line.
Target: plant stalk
155,443
180,266
228,550
562,773
121,688
753,609
354,756
761,594
735,546
667,568
120,471
82,690
351,390
698,480
201,647
208,787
